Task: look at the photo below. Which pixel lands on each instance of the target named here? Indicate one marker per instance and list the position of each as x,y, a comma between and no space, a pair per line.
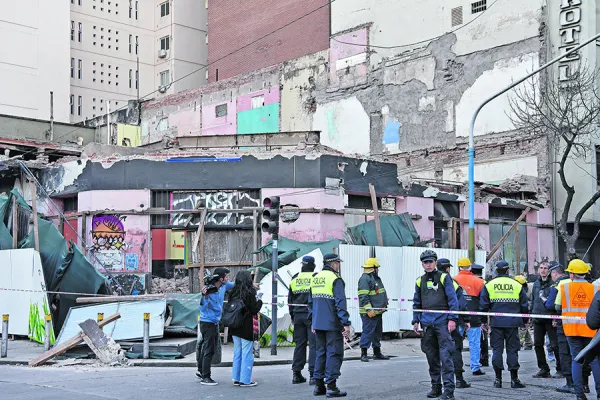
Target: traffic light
271,215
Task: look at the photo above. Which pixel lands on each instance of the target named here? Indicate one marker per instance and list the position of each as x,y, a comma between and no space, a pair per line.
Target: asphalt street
399,378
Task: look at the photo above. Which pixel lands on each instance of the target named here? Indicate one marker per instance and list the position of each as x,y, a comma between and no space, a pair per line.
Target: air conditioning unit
162,53
162,89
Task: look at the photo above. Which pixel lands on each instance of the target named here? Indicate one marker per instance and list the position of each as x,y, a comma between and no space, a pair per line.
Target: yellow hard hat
464,262
578,267
371,263
590,266
521,279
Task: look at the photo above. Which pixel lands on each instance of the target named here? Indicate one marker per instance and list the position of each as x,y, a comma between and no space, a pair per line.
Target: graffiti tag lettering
216,200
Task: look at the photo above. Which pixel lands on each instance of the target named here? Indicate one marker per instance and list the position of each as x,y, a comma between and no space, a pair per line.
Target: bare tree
567,113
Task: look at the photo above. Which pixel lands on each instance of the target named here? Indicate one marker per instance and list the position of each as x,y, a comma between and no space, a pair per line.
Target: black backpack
234,313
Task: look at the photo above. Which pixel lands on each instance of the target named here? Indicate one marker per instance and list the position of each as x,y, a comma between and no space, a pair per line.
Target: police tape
356,298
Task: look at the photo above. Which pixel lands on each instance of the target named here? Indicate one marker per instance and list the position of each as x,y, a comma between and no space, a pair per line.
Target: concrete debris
520,183
105,348
174,285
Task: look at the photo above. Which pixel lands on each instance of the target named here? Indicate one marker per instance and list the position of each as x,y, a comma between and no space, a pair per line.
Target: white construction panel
129,327
353,258
392,275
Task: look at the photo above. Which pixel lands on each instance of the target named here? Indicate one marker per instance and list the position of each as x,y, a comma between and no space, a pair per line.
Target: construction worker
524,332
472,286
484,356
303,335
573,300
463,326
543,327
372,298
504,295
331,323
435,291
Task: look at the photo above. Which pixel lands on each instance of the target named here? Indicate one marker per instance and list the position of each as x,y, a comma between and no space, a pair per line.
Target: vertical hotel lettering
570,32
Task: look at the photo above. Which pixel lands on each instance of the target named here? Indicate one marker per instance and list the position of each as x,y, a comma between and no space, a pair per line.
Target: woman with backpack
243,334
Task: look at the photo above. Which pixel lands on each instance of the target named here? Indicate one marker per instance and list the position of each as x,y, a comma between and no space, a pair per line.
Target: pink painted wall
310,227
244,103
423,207
533,253
227,125
187,122
482,231
342,50
117,243
544,245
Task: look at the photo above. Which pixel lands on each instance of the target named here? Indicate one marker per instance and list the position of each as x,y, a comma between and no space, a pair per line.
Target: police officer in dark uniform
484,358
435,291
331,323
443,264
303,335
505,295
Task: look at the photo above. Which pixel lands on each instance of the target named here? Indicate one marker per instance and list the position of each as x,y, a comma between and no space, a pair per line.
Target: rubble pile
174,285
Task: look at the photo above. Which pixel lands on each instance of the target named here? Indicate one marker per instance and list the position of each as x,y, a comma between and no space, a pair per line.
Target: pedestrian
331,323
303,334
484,359
525,340
435,291
504,295
373,301
211,309
541,326
243,336
472,285
574,300
462,327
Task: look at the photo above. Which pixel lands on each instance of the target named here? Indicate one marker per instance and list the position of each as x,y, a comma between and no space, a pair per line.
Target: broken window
221,110
446,231
457,16
258,101
501,220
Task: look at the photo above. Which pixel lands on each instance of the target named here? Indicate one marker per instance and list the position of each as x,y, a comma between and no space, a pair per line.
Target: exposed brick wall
233,24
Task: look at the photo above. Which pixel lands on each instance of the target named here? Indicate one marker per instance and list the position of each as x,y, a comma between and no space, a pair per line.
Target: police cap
331,257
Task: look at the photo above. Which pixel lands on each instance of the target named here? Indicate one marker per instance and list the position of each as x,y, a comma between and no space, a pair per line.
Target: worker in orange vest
573,300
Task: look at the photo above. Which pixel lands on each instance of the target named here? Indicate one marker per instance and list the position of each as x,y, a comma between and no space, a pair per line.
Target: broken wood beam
507,234
376,214
69,344
105,348
216,264
114,299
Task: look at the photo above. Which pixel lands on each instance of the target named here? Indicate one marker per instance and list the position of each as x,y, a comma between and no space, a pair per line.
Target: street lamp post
472,138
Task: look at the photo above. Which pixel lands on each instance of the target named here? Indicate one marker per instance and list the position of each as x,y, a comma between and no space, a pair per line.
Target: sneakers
208,381
447,396
251,384
436,391
199,375
236,383
478,373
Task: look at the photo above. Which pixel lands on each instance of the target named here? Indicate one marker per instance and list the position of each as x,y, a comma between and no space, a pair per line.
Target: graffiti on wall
112,247
226,200
131,284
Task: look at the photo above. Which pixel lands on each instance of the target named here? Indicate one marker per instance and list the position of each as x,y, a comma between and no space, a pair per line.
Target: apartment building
127,49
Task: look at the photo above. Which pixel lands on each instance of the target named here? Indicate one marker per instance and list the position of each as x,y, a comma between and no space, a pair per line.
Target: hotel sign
570,33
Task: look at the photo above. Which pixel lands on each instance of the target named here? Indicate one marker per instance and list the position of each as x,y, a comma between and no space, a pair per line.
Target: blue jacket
429,319
522,307
211,305
330,314
549,304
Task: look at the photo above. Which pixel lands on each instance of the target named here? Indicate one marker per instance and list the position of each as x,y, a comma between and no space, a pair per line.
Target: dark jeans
457,357
485,355
372,331
498,338
330,354
206,347
304,337
564,351
540,329
438,346
577,344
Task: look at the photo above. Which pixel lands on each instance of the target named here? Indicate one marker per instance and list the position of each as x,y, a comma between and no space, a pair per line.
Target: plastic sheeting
397,231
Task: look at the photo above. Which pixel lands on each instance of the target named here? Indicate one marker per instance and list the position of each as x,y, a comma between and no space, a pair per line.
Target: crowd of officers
323,326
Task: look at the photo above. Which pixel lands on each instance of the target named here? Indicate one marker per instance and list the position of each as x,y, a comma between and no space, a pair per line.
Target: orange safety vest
576,300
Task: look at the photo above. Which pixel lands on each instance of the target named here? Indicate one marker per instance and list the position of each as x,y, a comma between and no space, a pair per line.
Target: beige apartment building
95,55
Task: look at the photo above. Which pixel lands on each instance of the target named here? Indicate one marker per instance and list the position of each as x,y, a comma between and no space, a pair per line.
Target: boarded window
258,101
221,110
478,6
457,16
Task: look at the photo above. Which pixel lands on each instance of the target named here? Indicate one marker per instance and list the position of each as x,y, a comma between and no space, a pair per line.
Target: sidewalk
21,351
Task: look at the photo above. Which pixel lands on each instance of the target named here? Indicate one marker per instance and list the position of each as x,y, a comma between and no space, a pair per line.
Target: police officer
303,335
524,331
331,322
484,358
371,299
443,264
435,291
504,294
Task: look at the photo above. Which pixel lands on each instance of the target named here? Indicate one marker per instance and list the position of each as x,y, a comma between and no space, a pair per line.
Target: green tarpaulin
285,245
396,230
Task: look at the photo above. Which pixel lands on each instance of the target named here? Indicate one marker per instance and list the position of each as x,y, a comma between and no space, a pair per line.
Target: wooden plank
202,245
216,264
36,231
507,234
105,348
454,233
518,250
15,223
376,213
114,299
69,344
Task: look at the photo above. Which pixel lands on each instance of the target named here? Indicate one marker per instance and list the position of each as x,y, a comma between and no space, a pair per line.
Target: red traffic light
271,202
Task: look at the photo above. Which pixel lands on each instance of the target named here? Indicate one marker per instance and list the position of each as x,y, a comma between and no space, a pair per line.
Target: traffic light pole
274,265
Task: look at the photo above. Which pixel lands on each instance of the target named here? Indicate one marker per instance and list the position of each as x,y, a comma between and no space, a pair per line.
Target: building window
70,204
164,43
258,101
72,30
72,104
130,39
508,249
137,79
164,9
79,33
78,2
79,68
164,78
72,68
137,44
478,6
130,78
130,8
136,10
457,16
79,101
445,231
221,110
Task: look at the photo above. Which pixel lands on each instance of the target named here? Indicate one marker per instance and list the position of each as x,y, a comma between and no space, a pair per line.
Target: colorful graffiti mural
226,200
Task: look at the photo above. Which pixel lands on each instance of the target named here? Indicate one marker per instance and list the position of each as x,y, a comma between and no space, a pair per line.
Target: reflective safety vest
301,283
433,295
576,299
503,290
321,285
